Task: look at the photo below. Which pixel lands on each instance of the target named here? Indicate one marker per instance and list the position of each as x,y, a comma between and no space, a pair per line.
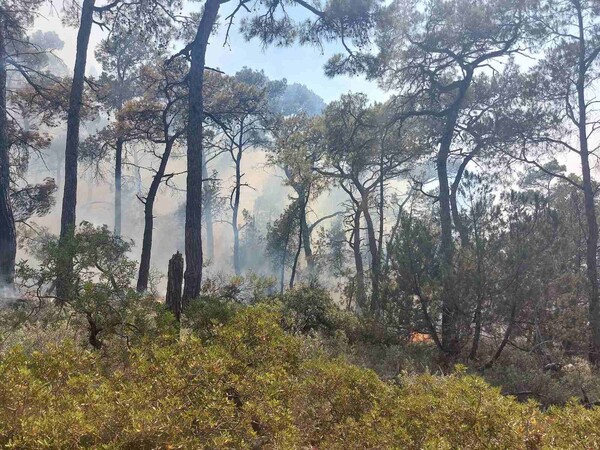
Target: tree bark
361,295
69,204
8,236
193,216
463,232
118,185
174,285
144,271
589,199
208,212
235,205
450,307
375,260
302,204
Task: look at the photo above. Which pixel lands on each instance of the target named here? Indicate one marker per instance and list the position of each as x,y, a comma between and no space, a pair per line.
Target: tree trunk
450,307
174,285
193,211
283,260
144,271
478,316
208,212
69,204
589,201
308,253
302,204
8,236
361,295
118,185
235,206
463,232
375,260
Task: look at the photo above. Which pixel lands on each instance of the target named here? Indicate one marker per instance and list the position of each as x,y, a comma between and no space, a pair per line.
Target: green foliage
309,309
100,292
252,385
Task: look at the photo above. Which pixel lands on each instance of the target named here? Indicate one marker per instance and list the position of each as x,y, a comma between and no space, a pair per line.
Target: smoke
8,294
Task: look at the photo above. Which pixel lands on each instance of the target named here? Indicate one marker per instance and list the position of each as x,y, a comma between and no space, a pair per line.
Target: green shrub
309,309
252,385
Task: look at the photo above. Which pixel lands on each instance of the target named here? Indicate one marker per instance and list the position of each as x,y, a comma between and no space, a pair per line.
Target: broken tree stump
174,285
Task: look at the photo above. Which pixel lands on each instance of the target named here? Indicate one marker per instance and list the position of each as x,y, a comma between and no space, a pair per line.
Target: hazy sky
297,64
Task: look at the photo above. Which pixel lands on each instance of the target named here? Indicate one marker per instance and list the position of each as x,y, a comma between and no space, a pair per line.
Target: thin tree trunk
589,200
69,204
308,253
8,236
463,232
507,334
144,271
193,211
118,185
302,204
208,212
375,261
282,269
477,319
235,206
361,296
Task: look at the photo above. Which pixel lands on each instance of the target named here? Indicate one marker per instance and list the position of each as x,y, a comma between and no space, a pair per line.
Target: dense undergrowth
251,377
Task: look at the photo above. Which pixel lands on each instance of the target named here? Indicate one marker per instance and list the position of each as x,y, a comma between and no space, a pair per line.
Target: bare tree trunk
193,211
463,232
235,206
308,253
296,257
450,307
144,271
208,212
302,204
375,260
507,334
361,295
478,316
589,200
69,205
8,236
174,285
283,260
118,185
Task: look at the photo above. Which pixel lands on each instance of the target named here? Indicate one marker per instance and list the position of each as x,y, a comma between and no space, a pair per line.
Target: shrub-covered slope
253,385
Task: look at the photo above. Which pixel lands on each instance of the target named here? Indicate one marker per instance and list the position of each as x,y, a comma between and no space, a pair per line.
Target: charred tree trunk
193,211
69,204
144,271
174,285
8,235
118,185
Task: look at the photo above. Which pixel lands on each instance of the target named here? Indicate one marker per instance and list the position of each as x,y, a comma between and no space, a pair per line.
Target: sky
298,64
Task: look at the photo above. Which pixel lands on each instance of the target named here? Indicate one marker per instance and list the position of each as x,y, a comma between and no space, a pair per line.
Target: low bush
253,385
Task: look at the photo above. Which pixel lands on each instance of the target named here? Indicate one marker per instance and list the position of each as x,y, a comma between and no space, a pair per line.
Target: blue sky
298,64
